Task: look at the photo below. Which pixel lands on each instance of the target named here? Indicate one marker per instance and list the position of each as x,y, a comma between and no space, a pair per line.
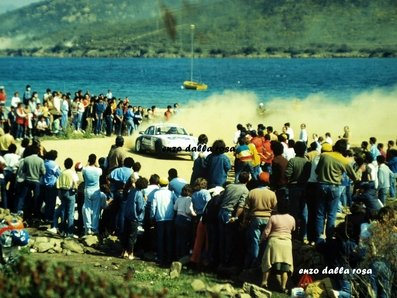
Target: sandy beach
79,149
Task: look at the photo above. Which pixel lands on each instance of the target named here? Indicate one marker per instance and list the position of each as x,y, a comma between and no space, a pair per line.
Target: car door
147,138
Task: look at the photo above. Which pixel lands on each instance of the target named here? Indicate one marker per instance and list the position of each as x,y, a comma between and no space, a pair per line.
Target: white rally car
165,138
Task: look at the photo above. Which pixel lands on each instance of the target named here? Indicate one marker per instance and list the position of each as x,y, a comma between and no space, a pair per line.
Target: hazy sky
7,5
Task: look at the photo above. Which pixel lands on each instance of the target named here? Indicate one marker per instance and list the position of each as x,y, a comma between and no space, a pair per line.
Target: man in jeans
67,186
231,207
258,208
28,201
330,169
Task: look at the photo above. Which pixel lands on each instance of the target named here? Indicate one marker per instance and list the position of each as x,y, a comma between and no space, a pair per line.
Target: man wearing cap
116,154
162,211
330,168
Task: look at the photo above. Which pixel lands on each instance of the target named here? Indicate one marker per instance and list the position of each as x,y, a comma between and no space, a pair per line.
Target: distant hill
8,5
226,28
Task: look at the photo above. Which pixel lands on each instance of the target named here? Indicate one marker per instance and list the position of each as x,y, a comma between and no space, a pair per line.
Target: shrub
25,278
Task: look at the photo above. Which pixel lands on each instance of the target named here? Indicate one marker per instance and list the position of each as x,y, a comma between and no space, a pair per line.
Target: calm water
158,81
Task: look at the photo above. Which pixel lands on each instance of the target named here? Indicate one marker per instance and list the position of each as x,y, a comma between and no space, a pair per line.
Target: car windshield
170,130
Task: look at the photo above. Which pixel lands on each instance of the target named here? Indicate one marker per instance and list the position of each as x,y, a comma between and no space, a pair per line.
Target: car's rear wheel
138,146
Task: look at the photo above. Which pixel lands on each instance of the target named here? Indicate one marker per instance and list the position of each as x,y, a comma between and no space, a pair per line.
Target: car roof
166,124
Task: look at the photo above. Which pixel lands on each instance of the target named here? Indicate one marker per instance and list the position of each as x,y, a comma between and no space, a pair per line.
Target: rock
224,289
43,246
42,239
198,285
56,241
31,243
97,264
255,291
73,246
51,251
90,250
90,240
67,252
57,245
4,213
175,270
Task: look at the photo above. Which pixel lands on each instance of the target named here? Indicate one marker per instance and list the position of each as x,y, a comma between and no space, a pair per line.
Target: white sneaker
53,230
72,236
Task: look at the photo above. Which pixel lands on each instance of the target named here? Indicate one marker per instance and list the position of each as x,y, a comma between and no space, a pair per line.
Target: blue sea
158,81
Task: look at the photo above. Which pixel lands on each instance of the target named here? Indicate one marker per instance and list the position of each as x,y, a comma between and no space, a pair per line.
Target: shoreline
282,54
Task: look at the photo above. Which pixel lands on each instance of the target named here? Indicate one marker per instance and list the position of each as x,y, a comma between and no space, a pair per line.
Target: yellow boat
192,85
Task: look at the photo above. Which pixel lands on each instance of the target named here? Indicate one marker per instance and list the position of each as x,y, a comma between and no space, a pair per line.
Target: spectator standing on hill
392,163
303,135
217,165
3,96
67,188
129,120
100,108
65,112
163,213
330,168
384,177
11,166
278,252
27,95
240,129
91,174
33,169
183,208
278,180
116,154
297,173
243,158
119,178
21,121
231,208
49,190
200,198
289,131
15,100
149,236
133,217
374,148
6,140
260,203
199,157
109,116
118,119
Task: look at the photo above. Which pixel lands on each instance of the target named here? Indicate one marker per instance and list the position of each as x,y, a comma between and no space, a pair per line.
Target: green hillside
155,28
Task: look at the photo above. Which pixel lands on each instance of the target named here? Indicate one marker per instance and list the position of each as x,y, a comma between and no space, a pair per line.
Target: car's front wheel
138,146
